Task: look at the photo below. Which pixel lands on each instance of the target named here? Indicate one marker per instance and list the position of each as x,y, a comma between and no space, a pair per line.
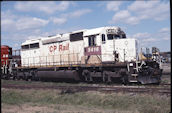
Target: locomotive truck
89,55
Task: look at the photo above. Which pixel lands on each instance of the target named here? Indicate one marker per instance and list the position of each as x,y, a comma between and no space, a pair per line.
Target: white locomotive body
88,55
88,46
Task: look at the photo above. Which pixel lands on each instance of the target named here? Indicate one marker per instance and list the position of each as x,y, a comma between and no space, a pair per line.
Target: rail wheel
17,77
34,76
124,78
7,77
14,77
87,77
26,78
106,78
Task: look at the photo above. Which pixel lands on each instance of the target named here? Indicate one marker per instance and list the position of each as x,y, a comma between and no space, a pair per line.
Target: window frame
29,46
92,40
24,47
76,36
103,37
115,36
35,45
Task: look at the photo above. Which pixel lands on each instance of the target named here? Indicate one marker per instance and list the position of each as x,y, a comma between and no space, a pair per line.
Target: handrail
54,60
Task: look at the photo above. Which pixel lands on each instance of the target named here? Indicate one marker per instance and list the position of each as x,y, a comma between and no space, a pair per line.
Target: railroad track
165,84
106,89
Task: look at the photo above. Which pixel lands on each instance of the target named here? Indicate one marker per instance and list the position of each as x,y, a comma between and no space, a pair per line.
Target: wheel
109,80
26,78
7,77
86,75
17,77
125,80
14,77
106,78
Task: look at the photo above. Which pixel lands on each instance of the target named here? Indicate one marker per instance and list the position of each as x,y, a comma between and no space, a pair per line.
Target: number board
94,50
110,31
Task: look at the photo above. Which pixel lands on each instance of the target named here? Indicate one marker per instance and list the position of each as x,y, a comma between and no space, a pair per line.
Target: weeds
140,103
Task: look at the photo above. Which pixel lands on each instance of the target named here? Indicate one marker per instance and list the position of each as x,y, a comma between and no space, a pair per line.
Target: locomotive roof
65,36
56,38
31,41
99,30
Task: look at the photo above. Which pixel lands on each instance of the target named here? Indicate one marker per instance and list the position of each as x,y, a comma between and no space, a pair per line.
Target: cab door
92,50
107,45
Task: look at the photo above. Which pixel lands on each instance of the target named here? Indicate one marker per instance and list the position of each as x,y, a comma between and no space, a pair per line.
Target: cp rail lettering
63,48
52,48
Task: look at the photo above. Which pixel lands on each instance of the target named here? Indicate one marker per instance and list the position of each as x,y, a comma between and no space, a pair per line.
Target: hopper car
101,54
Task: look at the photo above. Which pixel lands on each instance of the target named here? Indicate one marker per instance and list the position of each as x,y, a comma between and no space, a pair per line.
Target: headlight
131,64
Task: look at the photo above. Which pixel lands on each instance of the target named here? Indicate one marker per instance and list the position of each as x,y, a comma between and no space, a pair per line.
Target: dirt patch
26,108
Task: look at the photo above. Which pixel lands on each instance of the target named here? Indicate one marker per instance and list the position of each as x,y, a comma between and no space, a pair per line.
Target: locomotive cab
108,44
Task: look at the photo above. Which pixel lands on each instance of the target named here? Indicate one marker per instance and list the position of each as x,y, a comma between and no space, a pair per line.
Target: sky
147,21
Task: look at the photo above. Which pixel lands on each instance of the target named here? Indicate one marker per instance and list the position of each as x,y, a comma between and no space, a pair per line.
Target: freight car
89,55
7,60
6,55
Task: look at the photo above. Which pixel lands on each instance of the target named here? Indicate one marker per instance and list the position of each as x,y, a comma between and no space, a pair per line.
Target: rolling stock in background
102,54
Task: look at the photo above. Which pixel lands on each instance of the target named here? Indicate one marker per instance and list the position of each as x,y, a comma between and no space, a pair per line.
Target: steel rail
108,89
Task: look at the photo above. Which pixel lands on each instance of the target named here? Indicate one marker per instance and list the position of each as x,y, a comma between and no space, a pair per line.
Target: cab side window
103,39
92,40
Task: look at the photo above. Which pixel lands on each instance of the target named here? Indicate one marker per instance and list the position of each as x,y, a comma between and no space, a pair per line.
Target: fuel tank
60,74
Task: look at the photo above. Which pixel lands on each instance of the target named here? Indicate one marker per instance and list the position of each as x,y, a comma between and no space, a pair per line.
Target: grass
128,102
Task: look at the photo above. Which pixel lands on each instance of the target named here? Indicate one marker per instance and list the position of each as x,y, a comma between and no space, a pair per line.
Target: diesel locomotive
101,54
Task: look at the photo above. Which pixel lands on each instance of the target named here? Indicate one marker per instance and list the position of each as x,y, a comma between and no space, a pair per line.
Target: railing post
46,60
53,60
34,61
77,58
40,60
28,62
68,59
124,55
60,59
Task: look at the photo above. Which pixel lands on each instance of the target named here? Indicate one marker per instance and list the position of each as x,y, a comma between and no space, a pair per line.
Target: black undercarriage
146,73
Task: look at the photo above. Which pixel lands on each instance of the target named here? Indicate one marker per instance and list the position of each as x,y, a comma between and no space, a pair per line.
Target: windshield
112,36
